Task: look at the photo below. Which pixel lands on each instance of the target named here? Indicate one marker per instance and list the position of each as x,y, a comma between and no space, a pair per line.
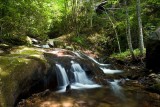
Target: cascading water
79,74
116,88
110,71
81,80
90,58
77,77
103,67
61,76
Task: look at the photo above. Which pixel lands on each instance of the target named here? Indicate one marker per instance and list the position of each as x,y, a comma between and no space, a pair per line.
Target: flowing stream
86,93
94,95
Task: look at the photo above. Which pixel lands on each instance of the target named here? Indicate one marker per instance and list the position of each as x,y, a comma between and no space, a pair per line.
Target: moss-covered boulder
15,39
21,73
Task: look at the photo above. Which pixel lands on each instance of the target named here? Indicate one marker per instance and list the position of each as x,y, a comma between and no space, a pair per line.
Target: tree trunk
91,13
65,22
75,16
128,33
114,28
141,43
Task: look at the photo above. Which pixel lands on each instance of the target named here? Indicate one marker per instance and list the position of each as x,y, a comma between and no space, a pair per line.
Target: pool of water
97,97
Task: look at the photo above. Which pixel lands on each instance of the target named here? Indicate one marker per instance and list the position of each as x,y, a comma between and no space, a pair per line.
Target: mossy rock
16,39
21,72
155,88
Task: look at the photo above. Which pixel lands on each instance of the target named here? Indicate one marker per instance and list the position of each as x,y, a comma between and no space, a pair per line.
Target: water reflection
98,97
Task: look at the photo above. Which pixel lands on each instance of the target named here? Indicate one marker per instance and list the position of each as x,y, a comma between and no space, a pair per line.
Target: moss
15,68
156,88
8,64
10,73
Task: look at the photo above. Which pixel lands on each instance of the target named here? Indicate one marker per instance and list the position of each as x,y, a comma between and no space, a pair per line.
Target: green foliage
126,55
39,18
78,39
23,17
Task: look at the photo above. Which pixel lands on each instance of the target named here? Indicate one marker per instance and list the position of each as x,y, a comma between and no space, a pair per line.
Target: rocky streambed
28,79
28,70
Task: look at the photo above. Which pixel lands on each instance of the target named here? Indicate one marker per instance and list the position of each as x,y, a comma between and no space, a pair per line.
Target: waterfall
61,76
103,67
79,74
82,55
81,81
116,88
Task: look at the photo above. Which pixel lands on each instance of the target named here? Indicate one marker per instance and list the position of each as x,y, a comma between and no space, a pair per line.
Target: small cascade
103,67
116,88
79,74
61,76
110,71
81,81
90,58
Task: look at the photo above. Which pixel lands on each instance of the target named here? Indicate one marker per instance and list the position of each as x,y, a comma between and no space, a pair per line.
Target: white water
81,79
97,62
116,88
92,59
79,74
102,66
79,86
77,54
61,76
109,71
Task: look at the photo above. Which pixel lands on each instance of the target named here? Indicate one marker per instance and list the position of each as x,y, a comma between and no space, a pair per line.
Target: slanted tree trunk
114,28
75,16
141,43
128,33
66,9
100,6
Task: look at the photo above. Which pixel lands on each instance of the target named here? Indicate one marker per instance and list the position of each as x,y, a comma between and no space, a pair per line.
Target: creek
77,89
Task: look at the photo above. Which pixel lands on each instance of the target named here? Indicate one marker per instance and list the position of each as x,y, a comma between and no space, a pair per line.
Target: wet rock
68,88
151,82
1,51
154,88
152,75
153,52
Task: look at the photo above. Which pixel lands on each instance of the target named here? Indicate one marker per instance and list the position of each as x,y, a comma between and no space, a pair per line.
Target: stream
76,89
95,97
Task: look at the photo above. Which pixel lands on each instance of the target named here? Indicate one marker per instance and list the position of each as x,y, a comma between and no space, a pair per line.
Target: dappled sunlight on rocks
50,104
60,103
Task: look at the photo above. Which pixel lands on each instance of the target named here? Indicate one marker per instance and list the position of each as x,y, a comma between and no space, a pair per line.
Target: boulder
22,72
153,52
